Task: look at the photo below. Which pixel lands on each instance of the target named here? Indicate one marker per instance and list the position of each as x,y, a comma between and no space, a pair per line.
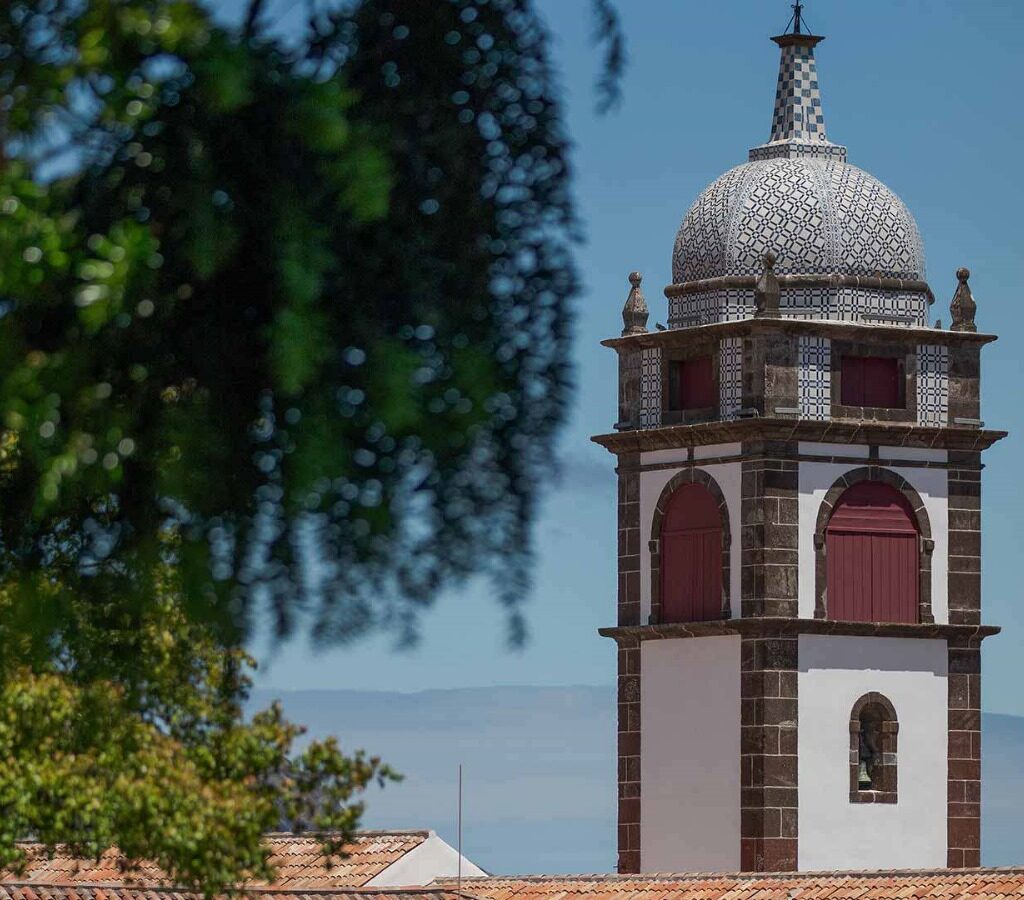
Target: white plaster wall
729,478
434,858
689,755
680,454
834,673
925,454
932,484
811,448
714,450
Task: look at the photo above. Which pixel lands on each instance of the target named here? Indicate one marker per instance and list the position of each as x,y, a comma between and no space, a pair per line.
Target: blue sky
926,95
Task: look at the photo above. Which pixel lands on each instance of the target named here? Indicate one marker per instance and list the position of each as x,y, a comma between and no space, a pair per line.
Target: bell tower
799,528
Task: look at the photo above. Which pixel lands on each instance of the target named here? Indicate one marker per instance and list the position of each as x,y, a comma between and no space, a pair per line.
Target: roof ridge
747,876
382,832
246,889
278,835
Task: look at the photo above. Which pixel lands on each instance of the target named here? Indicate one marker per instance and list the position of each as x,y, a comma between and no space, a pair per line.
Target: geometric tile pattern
730,376
797,114
836,303
932,385
790,149
799,198
818,216
814,378
650,387
727,305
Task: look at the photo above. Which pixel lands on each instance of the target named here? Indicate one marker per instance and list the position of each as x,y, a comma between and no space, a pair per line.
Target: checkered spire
798,123
798,115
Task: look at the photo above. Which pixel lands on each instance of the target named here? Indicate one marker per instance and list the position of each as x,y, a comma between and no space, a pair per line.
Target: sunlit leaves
159,760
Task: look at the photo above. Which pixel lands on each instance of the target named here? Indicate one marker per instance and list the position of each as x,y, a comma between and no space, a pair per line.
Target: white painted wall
729,478
834,673
926,454
812,448
689,755
432,859
932,484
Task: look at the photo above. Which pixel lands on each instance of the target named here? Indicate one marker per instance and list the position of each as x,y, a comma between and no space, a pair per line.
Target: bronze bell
863,778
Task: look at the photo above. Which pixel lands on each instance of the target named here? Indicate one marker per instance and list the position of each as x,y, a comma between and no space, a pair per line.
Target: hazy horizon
539,769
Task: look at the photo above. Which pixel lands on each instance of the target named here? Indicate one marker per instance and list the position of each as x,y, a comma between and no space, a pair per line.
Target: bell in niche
870,726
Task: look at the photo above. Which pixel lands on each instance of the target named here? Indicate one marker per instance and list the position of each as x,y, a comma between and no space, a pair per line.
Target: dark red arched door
691,556
871,551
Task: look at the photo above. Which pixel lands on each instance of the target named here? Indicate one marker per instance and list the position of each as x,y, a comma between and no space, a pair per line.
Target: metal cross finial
798,8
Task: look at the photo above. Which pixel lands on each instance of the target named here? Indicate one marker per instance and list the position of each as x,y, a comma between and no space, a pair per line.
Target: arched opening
691,556
872,555
873,733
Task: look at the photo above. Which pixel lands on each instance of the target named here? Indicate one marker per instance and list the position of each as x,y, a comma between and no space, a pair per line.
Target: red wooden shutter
696,384
853,380
871,381
871,548
691,557
881,382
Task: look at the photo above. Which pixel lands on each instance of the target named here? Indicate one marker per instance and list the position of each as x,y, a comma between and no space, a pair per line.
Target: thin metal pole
458,879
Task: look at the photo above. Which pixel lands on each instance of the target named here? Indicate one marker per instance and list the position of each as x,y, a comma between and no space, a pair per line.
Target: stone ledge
775,626
829,328
772,428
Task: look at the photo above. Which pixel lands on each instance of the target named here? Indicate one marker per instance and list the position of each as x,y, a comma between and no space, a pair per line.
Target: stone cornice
774,626
827,328
838,431
791,282
799,40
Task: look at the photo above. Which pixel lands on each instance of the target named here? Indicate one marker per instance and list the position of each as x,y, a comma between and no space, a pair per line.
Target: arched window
691,556
873,732
871,551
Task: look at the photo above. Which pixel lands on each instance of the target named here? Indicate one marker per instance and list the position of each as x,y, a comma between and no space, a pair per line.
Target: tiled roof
110,892
977,884
971,884
298,861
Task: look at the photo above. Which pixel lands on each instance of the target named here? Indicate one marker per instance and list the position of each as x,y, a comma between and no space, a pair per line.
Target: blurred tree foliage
306,302
284,325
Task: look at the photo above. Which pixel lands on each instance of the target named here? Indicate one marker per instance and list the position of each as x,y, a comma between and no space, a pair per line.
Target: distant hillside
539,770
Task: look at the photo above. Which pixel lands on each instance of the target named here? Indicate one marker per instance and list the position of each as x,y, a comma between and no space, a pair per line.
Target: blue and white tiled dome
819,216
824,220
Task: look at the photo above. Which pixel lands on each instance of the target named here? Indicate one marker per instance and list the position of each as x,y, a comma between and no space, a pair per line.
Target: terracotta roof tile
298,861
305,876
977,884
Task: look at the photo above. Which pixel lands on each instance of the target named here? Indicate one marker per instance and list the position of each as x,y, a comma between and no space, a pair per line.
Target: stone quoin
799,522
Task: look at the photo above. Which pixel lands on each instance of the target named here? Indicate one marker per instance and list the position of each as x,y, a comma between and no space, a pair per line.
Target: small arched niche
874,729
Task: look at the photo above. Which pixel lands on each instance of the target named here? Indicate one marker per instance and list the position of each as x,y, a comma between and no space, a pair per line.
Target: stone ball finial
767,292
635,312
963,308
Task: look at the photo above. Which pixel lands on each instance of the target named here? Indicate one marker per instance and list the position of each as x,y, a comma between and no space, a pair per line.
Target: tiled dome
819,215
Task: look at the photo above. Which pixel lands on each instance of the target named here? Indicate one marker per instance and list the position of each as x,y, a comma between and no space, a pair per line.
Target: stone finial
767,291
635,313
963,308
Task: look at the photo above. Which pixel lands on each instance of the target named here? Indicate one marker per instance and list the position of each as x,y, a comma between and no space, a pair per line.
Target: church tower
799,528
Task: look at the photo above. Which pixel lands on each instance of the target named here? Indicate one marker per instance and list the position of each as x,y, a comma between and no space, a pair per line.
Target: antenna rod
458,877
